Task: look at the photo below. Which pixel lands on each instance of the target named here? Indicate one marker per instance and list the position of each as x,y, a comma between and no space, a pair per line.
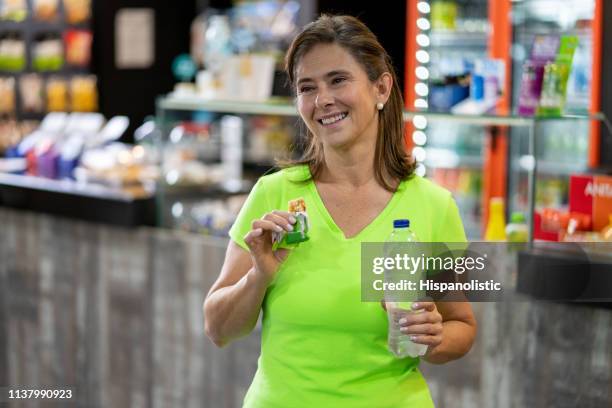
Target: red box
591,195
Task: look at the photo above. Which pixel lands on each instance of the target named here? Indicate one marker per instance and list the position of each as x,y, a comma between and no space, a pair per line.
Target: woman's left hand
424,326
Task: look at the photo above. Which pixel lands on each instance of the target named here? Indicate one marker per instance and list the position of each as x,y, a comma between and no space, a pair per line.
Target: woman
322,346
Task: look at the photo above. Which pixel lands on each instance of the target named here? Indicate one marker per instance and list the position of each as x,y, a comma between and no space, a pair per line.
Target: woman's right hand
259,240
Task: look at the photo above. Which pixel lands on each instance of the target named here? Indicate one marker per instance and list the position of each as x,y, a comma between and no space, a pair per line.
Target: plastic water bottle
399,343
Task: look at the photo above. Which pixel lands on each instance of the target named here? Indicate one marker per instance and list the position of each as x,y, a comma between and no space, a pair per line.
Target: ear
383,86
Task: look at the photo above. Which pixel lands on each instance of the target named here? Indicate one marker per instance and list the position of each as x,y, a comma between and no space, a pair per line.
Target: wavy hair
391,161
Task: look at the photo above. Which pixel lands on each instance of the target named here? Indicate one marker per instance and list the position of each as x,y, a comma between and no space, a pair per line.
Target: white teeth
333,119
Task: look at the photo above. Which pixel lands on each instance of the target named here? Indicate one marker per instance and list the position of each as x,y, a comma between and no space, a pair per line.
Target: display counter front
116,314
84,201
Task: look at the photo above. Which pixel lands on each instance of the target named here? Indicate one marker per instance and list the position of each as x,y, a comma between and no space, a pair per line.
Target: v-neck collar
332,224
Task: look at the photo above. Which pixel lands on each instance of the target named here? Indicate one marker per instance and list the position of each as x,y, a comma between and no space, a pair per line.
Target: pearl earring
380,106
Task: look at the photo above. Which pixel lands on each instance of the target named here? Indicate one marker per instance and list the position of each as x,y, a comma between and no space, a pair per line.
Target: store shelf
443,158
195,103
458,39
68,187
283,108
496,120
565,168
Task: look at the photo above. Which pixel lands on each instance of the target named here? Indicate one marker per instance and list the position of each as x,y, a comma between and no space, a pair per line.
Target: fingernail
403,321
413,338
415,305
278,228
292,219
288,227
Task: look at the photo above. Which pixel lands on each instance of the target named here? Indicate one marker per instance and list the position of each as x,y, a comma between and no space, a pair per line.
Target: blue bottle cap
401,223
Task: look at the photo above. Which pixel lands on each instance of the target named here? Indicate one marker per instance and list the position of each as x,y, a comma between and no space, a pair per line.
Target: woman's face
335,98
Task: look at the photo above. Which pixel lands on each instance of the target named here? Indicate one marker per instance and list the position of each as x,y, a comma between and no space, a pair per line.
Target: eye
338,80
305,88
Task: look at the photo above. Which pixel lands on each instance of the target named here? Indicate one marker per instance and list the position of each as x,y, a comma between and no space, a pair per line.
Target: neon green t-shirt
321,345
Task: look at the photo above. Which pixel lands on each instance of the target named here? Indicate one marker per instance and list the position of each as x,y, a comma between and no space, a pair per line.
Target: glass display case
460,51
207,204
563,147
212,152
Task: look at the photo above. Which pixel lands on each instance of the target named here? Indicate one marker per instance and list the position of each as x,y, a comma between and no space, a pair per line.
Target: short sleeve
451,227
255,206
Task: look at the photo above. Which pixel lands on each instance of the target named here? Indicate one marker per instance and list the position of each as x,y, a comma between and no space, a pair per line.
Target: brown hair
391,161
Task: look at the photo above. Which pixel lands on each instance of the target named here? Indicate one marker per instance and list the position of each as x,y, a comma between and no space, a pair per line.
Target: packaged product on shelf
7,95
45,10
444,15
269,138
191,155
263,25
591,195
231,151
486,87
118,165
9,135
31,92
449,92
84,93
14,10
12,52
47,53
543,52
78,47
211,216
556,74
69,155
77,11
57,95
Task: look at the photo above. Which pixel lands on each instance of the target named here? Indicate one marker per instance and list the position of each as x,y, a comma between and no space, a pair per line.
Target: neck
353,167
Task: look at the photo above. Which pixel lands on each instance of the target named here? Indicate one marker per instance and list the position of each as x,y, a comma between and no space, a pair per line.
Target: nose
324,98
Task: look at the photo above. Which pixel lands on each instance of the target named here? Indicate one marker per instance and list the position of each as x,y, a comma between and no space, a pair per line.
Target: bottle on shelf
496,227
399,343
517,230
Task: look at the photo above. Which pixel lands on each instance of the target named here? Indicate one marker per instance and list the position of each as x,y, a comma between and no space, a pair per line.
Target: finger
266,225
431,341
424,305
426,328
278,220
251,235
286,215
409,319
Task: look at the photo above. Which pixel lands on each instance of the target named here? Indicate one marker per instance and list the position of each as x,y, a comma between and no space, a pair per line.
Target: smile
333,119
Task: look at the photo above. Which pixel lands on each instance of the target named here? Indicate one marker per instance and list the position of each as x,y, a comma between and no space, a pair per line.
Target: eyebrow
327,75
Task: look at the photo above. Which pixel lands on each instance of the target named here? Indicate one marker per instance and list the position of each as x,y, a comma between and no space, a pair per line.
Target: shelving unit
441,157
280,107
458,39
175,203
28,30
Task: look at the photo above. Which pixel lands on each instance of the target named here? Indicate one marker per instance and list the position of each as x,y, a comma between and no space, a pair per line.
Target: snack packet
297,208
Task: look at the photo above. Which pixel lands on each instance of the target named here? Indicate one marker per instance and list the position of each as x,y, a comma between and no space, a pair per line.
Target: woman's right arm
233,303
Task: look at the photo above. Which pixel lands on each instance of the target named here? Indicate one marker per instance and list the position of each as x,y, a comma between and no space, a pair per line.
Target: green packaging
556,75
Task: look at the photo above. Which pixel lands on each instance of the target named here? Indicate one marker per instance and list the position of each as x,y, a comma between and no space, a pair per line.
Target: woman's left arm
448,328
